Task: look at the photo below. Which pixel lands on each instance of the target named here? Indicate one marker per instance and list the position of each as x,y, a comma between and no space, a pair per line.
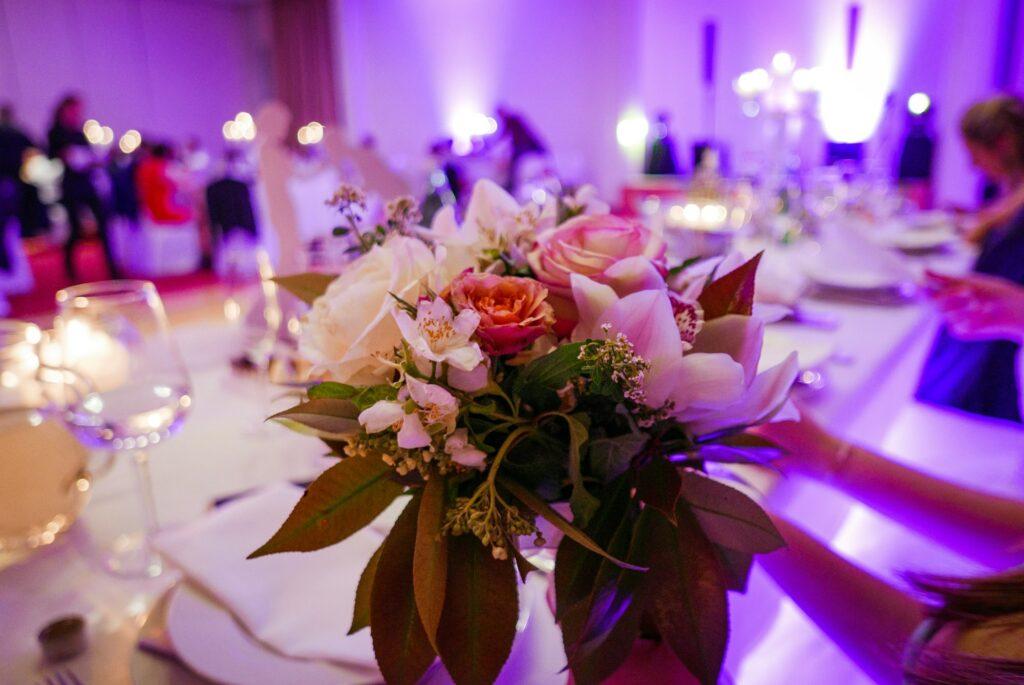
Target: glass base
132,557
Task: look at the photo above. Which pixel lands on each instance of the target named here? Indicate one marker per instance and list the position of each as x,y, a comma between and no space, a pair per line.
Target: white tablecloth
225,448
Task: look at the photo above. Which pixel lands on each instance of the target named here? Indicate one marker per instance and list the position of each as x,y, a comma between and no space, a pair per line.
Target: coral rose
513,311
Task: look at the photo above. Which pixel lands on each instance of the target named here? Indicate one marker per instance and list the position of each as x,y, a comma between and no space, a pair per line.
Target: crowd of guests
95,186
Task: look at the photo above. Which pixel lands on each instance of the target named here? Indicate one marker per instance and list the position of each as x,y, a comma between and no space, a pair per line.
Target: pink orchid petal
768,392
707,381
740,337
646,318
592,300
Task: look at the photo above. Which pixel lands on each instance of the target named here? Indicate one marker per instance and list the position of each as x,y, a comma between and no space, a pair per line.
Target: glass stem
145,488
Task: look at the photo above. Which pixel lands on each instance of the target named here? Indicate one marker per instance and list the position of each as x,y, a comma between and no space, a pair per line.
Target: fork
63,676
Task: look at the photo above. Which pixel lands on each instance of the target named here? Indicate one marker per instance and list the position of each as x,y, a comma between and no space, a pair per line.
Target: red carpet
47,264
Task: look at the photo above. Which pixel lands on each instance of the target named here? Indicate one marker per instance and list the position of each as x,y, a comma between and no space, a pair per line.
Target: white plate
850,279
813,349
931,238
207,638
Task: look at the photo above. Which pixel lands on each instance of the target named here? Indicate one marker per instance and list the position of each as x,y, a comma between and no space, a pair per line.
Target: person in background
978,376
14,145
967,630
524,140
993,131
916,161
159,193
67,142
661,153
124,195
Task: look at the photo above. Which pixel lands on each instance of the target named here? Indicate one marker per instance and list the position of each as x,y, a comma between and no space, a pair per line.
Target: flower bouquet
532,364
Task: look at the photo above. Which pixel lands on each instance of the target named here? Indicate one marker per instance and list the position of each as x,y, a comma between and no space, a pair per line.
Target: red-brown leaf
401,646
430,560
341,501
733,293
480,612
685,593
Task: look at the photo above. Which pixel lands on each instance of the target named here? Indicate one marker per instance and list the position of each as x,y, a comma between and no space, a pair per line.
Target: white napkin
297,603
849,259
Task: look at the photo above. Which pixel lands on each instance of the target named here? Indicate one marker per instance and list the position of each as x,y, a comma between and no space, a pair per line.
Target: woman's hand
809,449
979,307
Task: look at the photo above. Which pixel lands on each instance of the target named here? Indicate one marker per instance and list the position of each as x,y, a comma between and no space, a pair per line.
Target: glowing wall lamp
467,125
631,131
918,104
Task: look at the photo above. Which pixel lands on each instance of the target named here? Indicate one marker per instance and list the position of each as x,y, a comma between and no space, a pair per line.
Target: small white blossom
438,335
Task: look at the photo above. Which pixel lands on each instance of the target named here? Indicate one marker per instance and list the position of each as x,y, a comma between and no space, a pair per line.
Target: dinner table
862,389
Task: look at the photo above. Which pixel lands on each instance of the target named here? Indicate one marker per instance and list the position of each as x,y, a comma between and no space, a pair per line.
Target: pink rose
605,248
593,246
513,311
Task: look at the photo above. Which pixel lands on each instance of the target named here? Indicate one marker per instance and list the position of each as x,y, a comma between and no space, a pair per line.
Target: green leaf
680,268
332,390
728,516
733,293
611,457
307,287
685,594
344,499
657,484
583,503
539,381
605,639
430,560
362,398
361,610
575,567
401,646
541,508
325,418
480,614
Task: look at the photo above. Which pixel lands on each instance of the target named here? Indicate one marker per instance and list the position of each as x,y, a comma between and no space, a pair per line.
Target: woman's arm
978,525
995,215
870,620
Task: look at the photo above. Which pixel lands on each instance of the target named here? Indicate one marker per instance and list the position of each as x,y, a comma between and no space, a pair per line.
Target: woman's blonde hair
990,121
969,601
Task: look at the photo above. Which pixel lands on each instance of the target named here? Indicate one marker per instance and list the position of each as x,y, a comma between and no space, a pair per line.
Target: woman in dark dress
979,376
67,142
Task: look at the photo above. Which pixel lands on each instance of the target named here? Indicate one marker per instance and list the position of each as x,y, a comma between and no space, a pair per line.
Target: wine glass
124,388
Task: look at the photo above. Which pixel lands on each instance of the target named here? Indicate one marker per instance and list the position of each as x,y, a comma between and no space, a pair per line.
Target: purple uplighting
601,341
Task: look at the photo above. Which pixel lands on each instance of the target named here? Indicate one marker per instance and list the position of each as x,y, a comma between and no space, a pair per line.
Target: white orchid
433,406
462,450
438,335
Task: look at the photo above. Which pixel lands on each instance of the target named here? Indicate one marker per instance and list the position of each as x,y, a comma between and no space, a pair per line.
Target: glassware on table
125,388
43,478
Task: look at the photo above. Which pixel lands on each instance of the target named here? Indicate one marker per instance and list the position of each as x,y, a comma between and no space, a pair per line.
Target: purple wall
577,65
165,67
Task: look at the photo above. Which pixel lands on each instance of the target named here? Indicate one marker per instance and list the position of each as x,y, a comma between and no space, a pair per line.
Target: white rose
351,322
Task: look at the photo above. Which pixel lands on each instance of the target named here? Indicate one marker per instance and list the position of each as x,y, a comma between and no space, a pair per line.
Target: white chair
164,249
18,279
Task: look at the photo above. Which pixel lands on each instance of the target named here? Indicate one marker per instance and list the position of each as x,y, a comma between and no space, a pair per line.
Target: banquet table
226,448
